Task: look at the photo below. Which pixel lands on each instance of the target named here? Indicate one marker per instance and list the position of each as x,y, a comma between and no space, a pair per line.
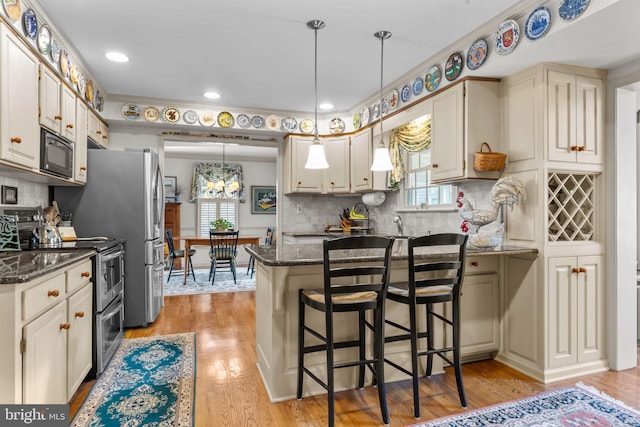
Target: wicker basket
488,161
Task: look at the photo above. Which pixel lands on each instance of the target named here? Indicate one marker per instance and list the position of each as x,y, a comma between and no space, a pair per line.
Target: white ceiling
259,54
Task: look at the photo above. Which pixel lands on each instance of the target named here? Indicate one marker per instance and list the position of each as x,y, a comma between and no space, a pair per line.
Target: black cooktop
98,245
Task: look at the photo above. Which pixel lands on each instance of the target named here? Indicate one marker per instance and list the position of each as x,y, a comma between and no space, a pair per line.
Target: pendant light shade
316,158
381,158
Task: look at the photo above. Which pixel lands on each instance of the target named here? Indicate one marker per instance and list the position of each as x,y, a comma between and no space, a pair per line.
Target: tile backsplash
29,193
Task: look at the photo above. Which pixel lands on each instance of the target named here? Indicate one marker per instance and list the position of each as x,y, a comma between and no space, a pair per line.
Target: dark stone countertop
296,254
24,266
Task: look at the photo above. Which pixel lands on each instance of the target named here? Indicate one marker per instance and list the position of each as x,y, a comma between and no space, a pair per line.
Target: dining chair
357,287
223,252
430,283
268,241
180,253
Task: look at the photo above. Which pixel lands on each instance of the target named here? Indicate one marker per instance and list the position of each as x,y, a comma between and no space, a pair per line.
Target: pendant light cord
382,35
315,85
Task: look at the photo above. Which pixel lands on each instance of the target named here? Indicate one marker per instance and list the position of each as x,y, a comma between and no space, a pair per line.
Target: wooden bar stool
431,281
358,286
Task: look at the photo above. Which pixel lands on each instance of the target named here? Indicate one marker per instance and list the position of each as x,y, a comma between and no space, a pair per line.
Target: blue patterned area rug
148,382
570,406
202,285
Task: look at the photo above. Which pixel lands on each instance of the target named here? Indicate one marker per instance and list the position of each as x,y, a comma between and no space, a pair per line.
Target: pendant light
221,187
317,158
381,158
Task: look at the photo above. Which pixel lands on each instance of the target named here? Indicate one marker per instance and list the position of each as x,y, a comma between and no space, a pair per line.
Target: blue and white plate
190,117
30,23
432,78
289,124
538,23
55,51
571,9
257,122
44,39
477,54
507,37
376,111
243,120
417,86
404,93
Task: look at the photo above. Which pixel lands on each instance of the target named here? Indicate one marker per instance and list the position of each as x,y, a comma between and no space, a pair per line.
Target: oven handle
113,255
116,308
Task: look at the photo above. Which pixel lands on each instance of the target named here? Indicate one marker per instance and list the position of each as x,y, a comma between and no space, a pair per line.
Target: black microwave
56,154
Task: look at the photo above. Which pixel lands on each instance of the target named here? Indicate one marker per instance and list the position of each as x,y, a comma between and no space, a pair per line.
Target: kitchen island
283,269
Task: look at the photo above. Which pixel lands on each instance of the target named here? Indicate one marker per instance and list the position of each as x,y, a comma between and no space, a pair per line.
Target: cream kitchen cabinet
336,178
68,125
297,178
576,311
80,147
48,329
464,116
97,130
57,104
361,159
19,133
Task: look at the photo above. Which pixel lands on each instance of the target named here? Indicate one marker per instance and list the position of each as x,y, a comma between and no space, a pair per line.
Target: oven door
109,276
109,332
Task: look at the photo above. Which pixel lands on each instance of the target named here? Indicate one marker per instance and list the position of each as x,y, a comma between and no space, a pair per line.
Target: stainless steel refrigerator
123,198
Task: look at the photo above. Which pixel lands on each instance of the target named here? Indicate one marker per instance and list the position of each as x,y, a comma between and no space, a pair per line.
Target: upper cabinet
361,158
80,148
464,116
57,105
19,133
337,179
298,179
97,130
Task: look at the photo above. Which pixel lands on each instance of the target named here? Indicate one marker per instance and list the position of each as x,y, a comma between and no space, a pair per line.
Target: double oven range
108,279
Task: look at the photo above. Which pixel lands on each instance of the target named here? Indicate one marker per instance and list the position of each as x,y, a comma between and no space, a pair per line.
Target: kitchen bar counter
24,266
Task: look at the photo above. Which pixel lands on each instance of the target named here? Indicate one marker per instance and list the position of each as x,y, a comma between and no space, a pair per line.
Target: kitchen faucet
398,222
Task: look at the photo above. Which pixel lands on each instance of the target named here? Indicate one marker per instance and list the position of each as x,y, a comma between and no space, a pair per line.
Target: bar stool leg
429,308
414,359
330,362
361,338
378,338
456,353
301,321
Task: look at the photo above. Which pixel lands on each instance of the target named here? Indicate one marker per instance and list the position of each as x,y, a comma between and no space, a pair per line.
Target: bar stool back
431,281
348,287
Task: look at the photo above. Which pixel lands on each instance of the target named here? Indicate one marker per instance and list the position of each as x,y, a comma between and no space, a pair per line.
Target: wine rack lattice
570,207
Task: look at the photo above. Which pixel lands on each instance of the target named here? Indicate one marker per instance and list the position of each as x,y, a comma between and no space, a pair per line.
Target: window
212,209
418,190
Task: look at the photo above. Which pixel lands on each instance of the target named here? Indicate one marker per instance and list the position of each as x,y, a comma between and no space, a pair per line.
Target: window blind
212,209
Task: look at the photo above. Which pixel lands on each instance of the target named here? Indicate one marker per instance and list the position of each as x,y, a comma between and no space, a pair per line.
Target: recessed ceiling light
117,57
212,95
326,106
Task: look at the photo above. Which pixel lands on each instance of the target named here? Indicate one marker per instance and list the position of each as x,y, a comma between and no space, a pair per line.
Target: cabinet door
589,120
49,97
19,133
93,127
561,117
302,180
479,314
45,358
447,137
80,148
103,134
562,299
361,148
590,310
79,339
68,107
336,178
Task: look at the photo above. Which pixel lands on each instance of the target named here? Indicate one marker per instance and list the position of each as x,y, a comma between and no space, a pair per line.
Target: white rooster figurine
506,191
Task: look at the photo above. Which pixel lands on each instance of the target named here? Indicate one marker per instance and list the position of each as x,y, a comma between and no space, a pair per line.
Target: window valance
414,136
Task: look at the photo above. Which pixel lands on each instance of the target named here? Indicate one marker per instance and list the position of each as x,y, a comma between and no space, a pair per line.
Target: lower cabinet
479,316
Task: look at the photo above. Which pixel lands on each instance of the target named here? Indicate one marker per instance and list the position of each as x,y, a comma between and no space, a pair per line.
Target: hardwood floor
229,390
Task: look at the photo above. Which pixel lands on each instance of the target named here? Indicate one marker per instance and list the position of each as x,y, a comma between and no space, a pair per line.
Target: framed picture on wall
170,185
263,200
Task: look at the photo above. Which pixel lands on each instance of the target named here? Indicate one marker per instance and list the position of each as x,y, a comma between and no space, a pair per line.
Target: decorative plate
289,124
150,114
507,37
131,111
225,120
55,51
336,125
538,23
453,67
417,86
433,77
88,91
190,117
97,99
404,93
356,121
44,39
385,106
306,126
82,82
571,9
207,118
257,122
12,7
366,116
477,54
243,121
393,98
375,111
73,73
273,122
65,65
30,23
171,115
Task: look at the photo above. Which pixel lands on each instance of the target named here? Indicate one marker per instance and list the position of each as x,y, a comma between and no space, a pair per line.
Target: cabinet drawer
43,295
78,276
480,265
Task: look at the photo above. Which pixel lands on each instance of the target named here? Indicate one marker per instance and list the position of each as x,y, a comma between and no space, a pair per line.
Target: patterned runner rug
202,285
570,406
149,381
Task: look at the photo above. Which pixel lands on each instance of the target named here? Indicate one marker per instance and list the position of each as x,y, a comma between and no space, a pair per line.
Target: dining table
204,241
